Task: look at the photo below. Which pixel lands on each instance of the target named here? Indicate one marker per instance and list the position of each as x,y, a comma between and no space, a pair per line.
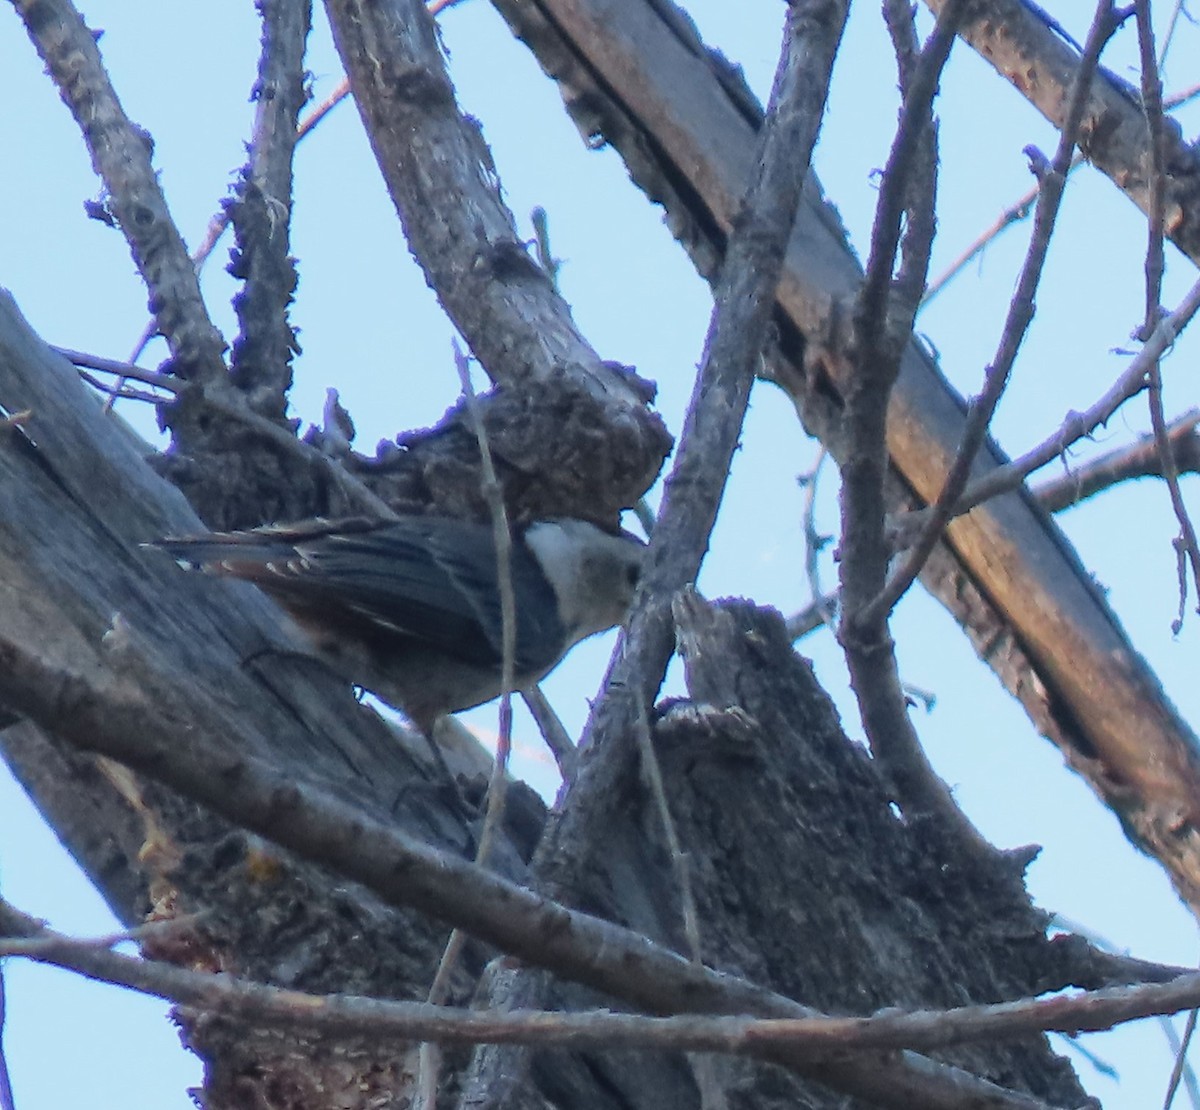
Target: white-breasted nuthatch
410,608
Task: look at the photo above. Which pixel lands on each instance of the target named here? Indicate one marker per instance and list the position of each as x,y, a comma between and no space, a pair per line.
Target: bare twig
1152,106
494,496
6,1092
355,492
1020,315
1015,213
871,304
814,543
817,614
429,1059
1077,425
1105,965
558,740
1169,37
1020,210
1182,97
1140,459
126,393
123,370
920,189
1179,1068
680,864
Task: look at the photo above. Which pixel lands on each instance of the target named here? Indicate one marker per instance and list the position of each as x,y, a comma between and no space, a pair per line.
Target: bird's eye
632,574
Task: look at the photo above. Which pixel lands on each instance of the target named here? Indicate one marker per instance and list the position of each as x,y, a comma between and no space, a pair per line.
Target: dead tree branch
879,334
1052,181
686,126
1017,39
1140,459
121,156
811,1039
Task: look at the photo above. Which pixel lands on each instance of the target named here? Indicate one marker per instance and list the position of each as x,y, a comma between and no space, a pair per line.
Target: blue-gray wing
430,579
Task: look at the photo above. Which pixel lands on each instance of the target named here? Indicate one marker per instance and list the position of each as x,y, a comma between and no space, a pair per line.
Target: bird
410,608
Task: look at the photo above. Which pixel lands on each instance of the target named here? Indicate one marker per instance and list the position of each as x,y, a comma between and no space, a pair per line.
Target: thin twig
126,393
1185,543
920,201
558,740
814,543
1020,315
429,1058
493,494
1182,97
123,370
818,613
1015,213
1077,425
355,492
1169,37
1140,459
1180,1065
872,302
680,865
1020,210
6,1092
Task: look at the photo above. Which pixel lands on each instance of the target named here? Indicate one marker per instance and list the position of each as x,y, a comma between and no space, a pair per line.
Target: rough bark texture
804,879
77,498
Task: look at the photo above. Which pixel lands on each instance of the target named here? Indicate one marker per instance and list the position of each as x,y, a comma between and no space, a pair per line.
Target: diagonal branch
1052,181
443,183
121,156
1011,475
1020,42
732,353
1141,459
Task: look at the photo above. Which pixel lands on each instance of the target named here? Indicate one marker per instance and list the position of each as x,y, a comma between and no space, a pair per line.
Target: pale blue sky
370,327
